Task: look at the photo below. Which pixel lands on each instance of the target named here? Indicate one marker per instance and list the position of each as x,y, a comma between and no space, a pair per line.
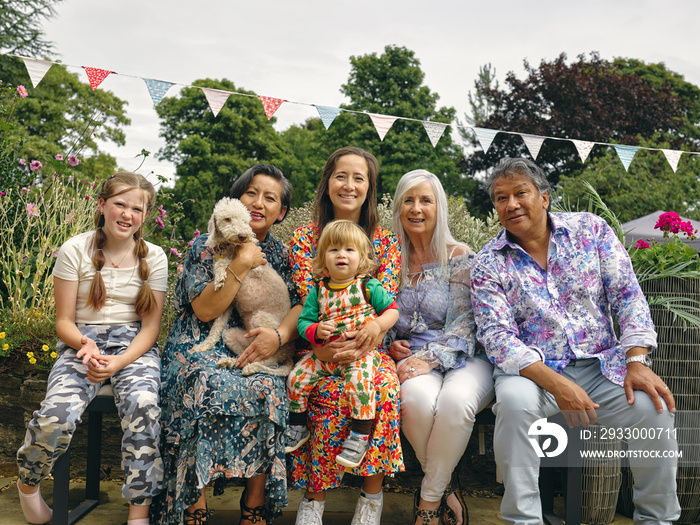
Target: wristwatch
644,359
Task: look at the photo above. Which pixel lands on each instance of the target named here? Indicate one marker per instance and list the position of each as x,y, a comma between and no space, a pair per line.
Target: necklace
120,261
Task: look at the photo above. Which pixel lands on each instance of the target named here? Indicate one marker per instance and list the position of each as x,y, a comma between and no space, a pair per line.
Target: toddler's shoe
297,435
354,450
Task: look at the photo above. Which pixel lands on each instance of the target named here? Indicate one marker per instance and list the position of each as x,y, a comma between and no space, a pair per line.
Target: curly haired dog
262,299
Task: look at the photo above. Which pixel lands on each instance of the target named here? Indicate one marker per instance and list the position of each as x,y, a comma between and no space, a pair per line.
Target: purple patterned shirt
526,314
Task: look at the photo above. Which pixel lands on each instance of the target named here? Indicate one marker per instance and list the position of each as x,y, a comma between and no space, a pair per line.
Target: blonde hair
341,232
124,181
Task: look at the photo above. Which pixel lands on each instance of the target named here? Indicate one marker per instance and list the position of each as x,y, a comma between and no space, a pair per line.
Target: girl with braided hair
110,287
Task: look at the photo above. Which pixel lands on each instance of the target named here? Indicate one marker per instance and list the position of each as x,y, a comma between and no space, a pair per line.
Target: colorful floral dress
313,466
216,422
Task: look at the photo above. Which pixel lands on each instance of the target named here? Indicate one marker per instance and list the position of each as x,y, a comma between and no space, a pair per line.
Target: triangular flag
157,89
434,131
382,123
626,154
583,147
485,137
270,105
533,143
327,114
96,76
672,156
36,69
216,98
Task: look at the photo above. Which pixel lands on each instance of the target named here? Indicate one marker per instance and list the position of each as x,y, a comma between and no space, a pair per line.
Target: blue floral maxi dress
216,422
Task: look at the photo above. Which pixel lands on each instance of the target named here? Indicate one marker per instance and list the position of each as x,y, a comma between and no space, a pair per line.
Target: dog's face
230,223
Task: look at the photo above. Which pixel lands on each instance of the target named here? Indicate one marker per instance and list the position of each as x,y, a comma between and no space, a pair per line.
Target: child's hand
99,370
367,335
88,350
324,330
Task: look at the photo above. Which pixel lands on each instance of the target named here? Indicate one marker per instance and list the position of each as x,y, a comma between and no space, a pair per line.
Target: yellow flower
53,355
30,355
32,361
45,348
5,346
37,314
2,335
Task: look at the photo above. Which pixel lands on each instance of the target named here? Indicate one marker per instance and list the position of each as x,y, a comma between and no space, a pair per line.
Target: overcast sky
299,50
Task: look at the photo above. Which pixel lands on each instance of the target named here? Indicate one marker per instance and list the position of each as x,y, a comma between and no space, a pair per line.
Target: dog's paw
226,362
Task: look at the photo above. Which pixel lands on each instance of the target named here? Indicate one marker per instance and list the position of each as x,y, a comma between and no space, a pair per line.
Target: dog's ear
211,228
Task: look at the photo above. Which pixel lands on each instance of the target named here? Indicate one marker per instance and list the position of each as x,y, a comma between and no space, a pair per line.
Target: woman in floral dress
348,190
217,423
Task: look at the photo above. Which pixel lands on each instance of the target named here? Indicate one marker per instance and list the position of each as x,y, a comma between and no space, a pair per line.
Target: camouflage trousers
136,392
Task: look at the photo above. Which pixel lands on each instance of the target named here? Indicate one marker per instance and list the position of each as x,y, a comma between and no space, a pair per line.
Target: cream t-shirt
74,263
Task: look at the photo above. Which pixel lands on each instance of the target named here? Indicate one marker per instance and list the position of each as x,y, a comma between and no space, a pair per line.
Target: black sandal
196,517
253,515
426,516
449,516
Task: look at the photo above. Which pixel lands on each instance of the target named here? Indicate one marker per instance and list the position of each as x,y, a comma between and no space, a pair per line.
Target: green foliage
649,185
624,101
20,31
210,152
29,339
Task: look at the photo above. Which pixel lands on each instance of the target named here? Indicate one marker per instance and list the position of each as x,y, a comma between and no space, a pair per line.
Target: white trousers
437,417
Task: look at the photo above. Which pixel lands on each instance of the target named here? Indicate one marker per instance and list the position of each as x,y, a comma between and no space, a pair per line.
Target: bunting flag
327,114
434,131
382,123
216,99
626,154
271,105
672,156
36,69
157,89
583,147
533,143
96,76
485,137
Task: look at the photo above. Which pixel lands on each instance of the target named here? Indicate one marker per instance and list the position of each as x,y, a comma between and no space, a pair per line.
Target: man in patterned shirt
544,291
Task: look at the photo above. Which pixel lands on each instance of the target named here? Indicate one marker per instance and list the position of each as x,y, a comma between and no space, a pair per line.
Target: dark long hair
323,207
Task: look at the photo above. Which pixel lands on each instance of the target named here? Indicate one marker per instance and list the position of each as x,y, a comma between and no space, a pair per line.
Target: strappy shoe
449,516
426,516
253,515
196,517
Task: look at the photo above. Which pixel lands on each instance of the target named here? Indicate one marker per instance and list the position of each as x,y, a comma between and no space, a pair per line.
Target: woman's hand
250,255
369,336
413,367
400,349
104,367
88,350
330,352
265,344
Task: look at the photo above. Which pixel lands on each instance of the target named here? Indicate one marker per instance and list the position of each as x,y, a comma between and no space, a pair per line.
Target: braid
145,300
98,292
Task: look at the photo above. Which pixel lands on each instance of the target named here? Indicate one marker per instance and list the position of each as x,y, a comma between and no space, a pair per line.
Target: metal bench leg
61,480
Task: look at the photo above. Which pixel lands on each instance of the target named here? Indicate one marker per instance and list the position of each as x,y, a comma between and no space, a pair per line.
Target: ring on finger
411,369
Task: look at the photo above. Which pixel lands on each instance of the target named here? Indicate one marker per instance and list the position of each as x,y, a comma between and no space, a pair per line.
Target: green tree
20,26
210,152
391,83
592,99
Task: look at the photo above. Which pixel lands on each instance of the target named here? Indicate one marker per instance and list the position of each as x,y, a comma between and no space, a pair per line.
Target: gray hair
509,167
442,238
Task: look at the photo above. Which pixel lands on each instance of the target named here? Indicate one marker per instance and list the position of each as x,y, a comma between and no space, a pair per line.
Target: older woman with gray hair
445,377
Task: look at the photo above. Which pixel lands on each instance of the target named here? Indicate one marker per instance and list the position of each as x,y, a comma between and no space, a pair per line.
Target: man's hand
576,406
641,377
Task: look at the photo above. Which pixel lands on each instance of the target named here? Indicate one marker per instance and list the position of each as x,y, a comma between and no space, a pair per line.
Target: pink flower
159,222
641,245
687,227
23,162
87,197
175,252
32,210
22,91
73,160
162,212
70,179
24,189
35,165
179,268
59,157
196,234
